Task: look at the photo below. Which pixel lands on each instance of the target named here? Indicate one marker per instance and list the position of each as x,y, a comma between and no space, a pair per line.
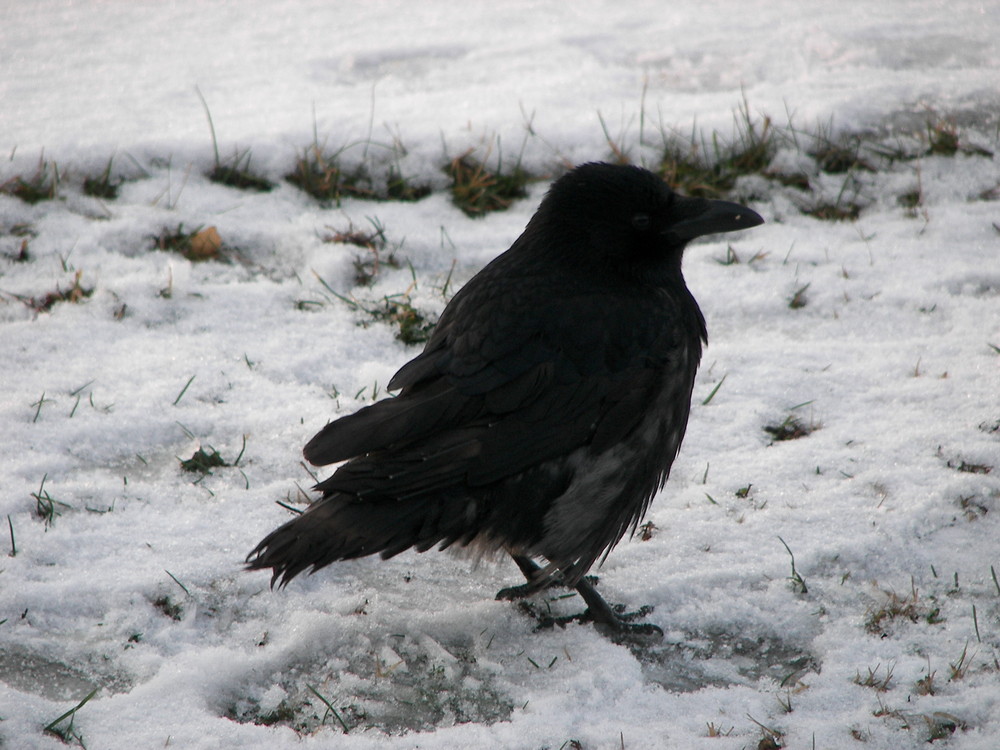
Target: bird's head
626,218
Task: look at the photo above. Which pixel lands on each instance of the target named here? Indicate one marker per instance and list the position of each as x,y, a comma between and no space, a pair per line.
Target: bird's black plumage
547,407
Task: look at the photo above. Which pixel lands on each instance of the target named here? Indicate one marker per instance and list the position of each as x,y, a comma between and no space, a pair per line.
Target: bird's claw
630,631
522,591
621,628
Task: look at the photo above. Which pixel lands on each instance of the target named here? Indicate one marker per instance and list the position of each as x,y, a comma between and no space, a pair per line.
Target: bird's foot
621,625
620,629
613,621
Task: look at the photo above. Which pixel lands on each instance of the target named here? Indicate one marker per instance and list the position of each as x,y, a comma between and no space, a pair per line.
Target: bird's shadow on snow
718,658
391,682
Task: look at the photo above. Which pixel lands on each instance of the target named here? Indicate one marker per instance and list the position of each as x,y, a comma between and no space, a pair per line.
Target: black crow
545,410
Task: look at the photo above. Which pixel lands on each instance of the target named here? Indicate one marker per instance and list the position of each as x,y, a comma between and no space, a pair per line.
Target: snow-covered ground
134,587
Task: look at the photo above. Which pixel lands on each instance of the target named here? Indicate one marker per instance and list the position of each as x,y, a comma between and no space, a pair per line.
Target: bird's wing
597,412
497,390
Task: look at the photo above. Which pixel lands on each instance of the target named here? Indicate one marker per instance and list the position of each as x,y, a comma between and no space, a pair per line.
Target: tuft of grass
103,185
687,168
26,233
771,738
799,299
960,668
876,680
325,176
367,267
718,731
41,186
991,194
798,583
477,190
733,259
895,607
401,188
925,685
321,174
942,137
973,507
941,725
169,607
238,174
754,145
969,468
174,240
67,733
283,713
709,167
330,710
842,208
204,243
838,211
47,507
798,180
202,462
791,429
911,201
619,151
414,327
375,175
839,156
75,293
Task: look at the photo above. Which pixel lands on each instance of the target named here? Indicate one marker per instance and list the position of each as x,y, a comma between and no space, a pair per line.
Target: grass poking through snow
76,292
201,244
377,256
103,185
709,166
42,185
331,176
477,189
67,733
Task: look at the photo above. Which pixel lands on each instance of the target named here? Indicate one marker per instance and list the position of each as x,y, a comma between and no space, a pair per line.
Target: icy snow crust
890,506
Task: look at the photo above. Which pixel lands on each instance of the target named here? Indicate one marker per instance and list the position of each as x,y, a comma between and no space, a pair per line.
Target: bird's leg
529,567
598,610
536,580
604,614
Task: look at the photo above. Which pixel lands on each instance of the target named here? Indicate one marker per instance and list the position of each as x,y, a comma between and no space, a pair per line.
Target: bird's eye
641,221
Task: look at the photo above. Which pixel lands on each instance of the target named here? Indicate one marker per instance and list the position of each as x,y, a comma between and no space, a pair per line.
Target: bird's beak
713,218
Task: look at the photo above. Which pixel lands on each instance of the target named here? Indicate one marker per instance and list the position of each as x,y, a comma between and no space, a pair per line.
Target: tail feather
341,527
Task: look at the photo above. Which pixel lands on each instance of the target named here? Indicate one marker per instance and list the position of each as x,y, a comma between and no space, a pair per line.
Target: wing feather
482,403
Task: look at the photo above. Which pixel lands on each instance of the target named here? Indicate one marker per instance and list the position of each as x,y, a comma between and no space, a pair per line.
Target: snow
137,589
